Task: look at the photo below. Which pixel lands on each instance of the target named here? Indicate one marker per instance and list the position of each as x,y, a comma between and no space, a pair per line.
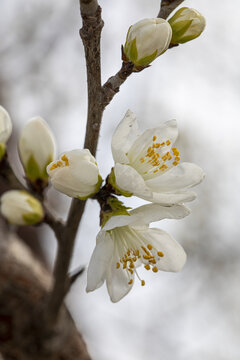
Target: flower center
156,158
60,163
130,255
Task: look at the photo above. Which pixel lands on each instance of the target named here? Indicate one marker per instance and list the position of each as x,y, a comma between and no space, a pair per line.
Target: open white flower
126,242
76,174
148,165
21,208
36,148
5,130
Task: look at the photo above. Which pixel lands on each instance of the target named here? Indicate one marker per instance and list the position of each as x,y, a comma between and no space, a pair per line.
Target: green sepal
37,213
147,59
118,191
33,171
117,208
98,186
130,50
179,30
2,150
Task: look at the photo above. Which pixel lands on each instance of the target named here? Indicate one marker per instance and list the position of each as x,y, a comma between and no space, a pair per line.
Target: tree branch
167,6
91,35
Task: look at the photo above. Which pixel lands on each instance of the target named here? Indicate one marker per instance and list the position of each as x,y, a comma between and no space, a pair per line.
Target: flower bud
36,149
146,40
5,130
21,208
76,174
187,24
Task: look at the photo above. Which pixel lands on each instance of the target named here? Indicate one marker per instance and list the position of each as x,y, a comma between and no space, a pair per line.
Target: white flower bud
76,174
21,208
5,130
187,24
36,149
146,40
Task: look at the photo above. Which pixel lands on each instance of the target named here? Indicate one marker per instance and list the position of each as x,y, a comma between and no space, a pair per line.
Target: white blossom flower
146,40
126,242
36,148
187,24
5,130
76,174
21,208
148,165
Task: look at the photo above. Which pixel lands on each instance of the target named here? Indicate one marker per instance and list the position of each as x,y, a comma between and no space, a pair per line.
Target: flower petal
179,177
174,255
166,131
99,262
169,199
118,282
125,134
146,214
128,179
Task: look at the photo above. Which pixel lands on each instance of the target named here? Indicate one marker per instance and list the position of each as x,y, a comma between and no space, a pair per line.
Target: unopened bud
187,24
36,149
75,174
21,208
5,130
146,40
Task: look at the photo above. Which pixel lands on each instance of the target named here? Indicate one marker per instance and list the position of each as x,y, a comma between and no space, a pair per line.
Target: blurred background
192,315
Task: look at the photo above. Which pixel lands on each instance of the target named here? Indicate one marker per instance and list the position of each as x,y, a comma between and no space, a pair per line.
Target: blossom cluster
147,165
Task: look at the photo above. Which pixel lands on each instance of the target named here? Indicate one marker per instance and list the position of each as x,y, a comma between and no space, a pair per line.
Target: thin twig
168,6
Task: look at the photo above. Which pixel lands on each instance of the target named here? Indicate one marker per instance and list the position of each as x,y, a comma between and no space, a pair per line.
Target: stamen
160,253
149,247
154,138
130,282
147,267
65,159
155,269
117,265
142,282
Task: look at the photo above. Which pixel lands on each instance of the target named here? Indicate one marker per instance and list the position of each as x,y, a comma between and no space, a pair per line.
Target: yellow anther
117,265
124,266
155,269
54,166
168,142
146,257
128,252
158,145
175,163
130,282
131,265
137,252
144,249
169,157
164,157
156,170
65,159
177,158
149,247
142,160
147,267
175,151
149,149
142,282
131,271
160,253
152,261
163,143
163,167
135,259
154,138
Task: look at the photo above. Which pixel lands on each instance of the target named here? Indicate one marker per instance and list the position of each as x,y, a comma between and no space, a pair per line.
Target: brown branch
112,86
167,6
91,35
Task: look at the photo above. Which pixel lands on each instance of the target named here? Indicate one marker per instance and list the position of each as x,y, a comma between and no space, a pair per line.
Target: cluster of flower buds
150,38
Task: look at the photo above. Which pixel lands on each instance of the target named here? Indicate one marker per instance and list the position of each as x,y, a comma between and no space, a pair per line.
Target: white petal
166,131
180,177
99,262
64,181
174,255
117,282
5,125
124,136
128,179
146,214
169,199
